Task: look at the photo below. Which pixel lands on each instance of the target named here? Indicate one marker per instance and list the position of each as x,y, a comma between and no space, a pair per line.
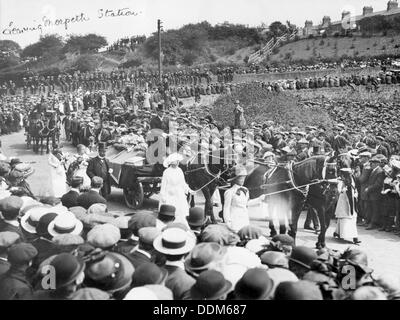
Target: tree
85,44
47,46
189,58
136,62
9,46
9,53
291,27
193,38
86,63
277,28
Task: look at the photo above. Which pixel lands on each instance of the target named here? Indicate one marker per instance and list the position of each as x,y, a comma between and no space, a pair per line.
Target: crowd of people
177,253
115,80
293,67
94,255
127,43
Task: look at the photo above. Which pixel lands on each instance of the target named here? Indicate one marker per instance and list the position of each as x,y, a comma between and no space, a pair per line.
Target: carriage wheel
134,197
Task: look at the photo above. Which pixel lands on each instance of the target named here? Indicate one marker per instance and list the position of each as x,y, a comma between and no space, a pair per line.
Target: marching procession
226,162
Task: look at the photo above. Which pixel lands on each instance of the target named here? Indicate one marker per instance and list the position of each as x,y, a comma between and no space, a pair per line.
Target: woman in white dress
236,198
82,157
174,188
146,101
58,177
346,214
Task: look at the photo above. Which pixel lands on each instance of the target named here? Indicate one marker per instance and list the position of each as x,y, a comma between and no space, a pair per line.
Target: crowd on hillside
321,66
127,43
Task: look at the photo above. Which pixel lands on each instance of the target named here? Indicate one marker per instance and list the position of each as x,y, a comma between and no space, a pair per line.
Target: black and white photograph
199,150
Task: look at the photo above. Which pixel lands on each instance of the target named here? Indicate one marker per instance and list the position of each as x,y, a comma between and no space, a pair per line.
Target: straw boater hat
65,223
172,158
174,241
30,220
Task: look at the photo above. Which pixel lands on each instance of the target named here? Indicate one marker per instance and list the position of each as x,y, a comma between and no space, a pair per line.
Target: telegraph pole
159,28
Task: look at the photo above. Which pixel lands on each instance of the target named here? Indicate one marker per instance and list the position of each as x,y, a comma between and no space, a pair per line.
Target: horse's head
344,161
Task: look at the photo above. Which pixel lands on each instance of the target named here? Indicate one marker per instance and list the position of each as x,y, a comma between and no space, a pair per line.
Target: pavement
382,248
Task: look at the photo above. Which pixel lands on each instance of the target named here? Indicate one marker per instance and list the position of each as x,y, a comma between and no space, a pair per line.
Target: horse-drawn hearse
137,179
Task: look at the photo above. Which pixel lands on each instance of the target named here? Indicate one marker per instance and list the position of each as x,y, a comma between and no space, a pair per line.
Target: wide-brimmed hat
172,158
210,285
65,223
67,268
174,241
112,272
42,228
255,284
203,257
31,219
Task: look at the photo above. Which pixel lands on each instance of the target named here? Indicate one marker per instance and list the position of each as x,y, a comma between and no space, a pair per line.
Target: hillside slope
336,48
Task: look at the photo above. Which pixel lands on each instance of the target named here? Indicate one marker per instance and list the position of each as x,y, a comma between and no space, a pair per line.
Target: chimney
345,14
367,10
392,4
326,21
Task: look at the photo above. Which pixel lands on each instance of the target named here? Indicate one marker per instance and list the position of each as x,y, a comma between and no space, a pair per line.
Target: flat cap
148,234
11,205
8,238
104,236
21,253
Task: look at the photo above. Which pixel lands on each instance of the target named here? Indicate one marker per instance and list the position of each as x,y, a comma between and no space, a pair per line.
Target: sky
173,13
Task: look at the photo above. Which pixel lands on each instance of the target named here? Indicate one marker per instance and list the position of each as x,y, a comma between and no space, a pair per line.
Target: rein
303,189
207,170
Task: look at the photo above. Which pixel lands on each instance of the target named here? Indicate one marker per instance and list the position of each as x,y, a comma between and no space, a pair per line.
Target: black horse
289,188
35,126
50,131
204,172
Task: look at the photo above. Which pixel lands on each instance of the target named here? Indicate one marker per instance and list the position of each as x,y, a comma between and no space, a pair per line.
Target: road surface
382,248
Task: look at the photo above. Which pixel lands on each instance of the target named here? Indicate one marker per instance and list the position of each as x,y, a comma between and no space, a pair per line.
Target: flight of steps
265,51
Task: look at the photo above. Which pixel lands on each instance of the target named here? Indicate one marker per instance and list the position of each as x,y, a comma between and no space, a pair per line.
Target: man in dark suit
178,281
70,199
373,191
158,121
14,283
7,239
100,167
87,199
145,252
362,174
